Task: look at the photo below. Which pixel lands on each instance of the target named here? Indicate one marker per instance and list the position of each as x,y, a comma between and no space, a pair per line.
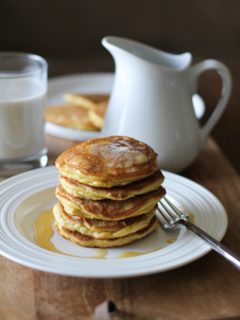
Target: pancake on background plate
82,111
86,101
97,114
69,116
109,188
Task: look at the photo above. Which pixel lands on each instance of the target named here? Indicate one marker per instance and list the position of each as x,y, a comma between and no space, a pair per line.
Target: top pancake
108,162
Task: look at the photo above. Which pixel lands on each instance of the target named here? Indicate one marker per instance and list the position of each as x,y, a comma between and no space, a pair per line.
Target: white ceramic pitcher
151,100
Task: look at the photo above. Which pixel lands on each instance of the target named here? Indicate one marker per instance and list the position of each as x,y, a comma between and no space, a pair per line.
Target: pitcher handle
225,75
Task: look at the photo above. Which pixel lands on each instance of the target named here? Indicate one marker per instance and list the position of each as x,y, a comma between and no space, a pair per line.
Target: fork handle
217,246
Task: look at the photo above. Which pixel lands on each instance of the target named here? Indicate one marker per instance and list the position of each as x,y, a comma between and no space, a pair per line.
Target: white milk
21,118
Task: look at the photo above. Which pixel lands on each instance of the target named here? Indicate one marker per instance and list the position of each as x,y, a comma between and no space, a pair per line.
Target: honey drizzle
170,241
101,254
128,254
43,230
191,217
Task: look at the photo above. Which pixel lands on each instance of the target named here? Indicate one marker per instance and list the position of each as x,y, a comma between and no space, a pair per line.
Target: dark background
68,34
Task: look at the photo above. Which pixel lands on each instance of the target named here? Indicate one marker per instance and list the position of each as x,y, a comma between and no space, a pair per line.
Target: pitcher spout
144,52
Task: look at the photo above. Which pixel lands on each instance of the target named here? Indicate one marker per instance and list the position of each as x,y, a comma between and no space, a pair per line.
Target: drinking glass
23,88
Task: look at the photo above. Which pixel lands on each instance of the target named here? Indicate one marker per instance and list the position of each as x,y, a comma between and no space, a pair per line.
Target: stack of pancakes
108,192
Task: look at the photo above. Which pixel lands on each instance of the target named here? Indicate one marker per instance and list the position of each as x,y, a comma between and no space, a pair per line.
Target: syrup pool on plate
47,238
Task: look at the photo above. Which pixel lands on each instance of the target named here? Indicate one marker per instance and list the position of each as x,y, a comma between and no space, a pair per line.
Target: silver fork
170,216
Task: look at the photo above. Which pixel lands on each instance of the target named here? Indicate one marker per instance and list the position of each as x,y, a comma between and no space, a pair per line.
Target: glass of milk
23,88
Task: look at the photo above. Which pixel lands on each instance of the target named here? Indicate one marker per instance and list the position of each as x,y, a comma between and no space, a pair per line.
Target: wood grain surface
208,288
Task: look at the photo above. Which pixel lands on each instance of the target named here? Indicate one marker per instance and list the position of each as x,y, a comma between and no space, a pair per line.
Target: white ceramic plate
24,196
88,83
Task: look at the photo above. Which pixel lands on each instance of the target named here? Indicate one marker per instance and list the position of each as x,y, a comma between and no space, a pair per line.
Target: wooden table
208,288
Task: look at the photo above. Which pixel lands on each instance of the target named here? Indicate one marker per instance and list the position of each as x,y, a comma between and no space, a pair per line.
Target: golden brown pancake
86,101
84,191
107,209
100,229
88,241
97,114
108,162
69,116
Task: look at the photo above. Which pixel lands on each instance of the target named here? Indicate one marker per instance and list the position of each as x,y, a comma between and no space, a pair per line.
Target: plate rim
51,169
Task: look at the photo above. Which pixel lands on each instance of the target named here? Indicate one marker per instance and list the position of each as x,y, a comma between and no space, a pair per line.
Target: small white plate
89,83
24,196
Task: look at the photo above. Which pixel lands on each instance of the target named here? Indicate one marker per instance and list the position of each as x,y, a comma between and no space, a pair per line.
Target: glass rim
43,65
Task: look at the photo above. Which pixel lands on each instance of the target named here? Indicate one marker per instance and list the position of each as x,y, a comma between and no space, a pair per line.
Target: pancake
97,114
101,229
69,116
88,241
84,191
86,101
110,210
108,162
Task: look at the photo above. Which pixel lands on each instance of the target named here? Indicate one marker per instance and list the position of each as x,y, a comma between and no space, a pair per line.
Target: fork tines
169,215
